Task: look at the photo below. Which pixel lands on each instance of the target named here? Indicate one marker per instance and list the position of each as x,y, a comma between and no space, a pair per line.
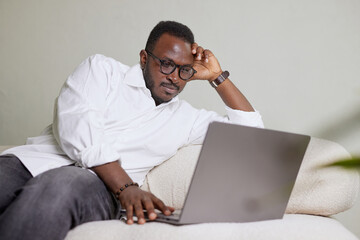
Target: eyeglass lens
168,67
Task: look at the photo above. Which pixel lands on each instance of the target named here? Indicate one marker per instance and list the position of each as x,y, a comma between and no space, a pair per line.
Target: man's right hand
132,198
135,200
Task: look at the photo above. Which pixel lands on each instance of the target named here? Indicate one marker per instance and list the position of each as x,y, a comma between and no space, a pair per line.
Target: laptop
243,174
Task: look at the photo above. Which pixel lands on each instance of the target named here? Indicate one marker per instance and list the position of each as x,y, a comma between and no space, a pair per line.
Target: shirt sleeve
79,113
251,119
204,118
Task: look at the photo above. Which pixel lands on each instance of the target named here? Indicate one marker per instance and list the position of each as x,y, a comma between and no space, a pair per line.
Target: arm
208,68
232,96
239,110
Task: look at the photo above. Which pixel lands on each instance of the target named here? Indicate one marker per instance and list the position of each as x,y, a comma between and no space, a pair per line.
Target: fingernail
141,221
206,60
167,212
129,222
152,215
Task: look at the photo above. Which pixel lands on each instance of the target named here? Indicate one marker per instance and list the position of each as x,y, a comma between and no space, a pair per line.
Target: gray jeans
49,205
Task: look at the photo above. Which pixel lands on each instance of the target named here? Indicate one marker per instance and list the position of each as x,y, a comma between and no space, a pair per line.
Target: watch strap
221,78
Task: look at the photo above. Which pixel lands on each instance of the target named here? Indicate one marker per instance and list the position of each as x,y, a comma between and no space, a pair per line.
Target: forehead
173,48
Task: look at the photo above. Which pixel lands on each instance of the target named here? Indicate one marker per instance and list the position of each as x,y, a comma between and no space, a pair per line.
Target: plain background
298,62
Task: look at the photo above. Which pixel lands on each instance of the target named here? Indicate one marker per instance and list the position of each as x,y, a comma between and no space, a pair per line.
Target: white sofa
319,193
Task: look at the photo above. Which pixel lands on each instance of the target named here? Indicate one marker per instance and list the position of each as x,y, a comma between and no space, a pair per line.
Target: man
118,122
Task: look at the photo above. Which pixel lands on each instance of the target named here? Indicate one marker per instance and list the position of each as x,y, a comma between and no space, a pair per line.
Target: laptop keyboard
175,216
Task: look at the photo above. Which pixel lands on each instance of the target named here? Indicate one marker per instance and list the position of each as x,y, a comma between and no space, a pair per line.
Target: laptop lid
243,174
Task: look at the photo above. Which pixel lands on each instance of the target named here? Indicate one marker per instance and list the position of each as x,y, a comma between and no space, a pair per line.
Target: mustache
170,85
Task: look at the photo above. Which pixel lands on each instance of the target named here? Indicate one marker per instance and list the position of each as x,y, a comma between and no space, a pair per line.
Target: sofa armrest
324,190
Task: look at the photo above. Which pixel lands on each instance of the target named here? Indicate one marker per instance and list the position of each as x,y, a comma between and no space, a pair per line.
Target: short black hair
171,27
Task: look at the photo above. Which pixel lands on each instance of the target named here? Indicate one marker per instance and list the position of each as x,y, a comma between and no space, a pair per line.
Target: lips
170,88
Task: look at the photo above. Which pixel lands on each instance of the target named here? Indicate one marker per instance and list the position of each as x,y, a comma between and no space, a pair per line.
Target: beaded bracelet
117,194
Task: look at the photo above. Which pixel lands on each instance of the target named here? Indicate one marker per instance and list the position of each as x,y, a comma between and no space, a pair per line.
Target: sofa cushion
318,190
292,226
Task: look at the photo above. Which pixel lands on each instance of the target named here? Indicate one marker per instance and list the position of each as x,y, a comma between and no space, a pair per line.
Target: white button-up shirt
105,113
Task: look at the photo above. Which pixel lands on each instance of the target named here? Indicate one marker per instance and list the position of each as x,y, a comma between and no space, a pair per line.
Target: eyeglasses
168,66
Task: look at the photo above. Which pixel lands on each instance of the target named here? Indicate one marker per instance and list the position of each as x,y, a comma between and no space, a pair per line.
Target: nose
173,77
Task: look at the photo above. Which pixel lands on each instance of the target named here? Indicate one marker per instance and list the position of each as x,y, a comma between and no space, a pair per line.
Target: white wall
298,62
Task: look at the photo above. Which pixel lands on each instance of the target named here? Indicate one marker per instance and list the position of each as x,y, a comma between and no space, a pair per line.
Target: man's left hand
205,63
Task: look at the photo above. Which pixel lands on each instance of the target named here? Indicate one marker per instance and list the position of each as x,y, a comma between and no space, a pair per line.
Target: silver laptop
243,174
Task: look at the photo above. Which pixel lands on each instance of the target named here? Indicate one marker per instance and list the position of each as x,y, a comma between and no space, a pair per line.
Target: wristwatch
224,75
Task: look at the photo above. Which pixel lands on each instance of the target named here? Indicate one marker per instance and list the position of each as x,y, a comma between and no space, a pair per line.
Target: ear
143,59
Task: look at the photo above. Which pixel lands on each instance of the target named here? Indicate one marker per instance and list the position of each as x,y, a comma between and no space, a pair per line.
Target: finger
149,206
129,214
207,53
199,53
172,209
161,206
139,213
194,47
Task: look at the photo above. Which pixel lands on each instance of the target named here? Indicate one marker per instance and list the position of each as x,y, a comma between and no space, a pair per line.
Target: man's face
163,87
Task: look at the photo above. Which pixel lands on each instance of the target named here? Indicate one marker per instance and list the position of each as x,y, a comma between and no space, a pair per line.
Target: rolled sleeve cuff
251,119
98,155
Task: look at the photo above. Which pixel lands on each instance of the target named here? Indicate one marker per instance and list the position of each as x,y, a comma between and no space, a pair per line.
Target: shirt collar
134,77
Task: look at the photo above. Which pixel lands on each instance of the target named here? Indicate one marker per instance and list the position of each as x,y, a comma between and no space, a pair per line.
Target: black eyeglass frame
176,66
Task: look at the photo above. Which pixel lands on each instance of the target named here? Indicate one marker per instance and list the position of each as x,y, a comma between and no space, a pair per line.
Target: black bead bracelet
117,194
